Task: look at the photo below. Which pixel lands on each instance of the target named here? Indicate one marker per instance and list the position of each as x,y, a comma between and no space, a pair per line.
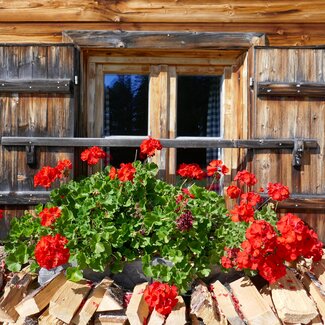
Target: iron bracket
30,155
298,150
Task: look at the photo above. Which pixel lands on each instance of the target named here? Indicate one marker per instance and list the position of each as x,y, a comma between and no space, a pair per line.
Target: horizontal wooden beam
23,198
135,141
292,89
304,201
58,86
162,40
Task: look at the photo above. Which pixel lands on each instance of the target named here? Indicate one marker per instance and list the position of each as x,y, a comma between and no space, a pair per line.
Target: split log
225,302
92,303
291,300
116,317
255,310
13,294
156,318
40,298
68,298
47,319
316,290
112,299
178,314
137,309
203,306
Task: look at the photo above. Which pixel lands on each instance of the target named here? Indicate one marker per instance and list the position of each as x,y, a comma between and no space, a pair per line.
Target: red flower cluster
47,175
245,177
277,191
297,239
217,166
193,171
265,251
49,215
233,191
148,147
242,212
125,173
92,155
51,252
161,296
185,221
1,214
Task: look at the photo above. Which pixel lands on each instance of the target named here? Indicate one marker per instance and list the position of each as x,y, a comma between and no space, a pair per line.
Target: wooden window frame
162,106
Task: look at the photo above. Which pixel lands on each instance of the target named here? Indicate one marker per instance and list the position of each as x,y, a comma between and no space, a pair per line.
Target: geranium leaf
74,274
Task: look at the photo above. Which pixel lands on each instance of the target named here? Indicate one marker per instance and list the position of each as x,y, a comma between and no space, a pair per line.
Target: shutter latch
30,155
298,150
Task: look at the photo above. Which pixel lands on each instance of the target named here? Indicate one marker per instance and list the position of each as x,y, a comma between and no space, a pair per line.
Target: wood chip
178,314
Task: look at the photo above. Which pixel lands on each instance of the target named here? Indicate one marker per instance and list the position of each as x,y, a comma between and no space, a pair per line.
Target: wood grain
164,11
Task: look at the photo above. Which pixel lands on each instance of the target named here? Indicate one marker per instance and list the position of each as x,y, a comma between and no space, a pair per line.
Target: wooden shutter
289,87
37,99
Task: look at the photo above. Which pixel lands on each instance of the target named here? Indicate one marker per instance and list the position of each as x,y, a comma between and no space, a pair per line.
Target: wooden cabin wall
284,22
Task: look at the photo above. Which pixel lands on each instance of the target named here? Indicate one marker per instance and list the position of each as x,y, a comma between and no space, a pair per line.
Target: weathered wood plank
36,86
295,89
161,40
137,11
24,198
134,141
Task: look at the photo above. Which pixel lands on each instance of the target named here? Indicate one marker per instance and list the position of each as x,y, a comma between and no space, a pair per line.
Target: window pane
198,114
125,111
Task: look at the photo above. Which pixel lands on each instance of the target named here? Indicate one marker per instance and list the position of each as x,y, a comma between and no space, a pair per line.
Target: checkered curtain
213,117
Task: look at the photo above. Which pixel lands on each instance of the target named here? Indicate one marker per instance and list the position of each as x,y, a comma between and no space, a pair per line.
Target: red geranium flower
63,166
1,214
49,215
245,177
191,171
161,296
92,155
112,173
149,146
233,191
126,172
243,212
277,191
251,198
51,252
187,192
46,176
216,166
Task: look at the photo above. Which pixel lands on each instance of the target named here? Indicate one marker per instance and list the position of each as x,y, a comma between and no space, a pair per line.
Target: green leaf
99,248
74,274
12,264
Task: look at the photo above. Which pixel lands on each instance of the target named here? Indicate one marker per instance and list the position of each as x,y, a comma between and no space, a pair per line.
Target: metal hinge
30,155
298,150
251,82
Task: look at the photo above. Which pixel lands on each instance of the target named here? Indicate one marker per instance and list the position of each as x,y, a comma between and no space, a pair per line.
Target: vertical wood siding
33,114
291,117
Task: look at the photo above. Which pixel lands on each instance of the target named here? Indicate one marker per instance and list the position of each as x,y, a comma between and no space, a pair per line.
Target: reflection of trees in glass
128,105
125,112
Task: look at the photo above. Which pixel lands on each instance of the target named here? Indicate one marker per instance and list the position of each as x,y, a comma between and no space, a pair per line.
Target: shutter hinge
30,155
76,80
251,82
298,150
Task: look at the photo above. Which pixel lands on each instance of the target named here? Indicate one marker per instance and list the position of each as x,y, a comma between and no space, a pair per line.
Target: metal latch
298,150
31,155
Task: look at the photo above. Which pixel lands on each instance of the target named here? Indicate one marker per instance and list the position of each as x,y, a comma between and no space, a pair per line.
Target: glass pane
125,111
198,114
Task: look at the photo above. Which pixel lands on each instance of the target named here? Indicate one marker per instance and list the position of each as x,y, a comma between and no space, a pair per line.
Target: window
166,96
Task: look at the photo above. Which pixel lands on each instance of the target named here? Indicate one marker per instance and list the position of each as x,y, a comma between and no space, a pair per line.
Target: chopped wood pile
297,298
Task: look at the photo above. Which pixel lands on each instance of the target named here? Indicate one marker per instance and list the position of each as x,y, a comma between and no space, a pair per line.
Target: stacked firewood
297,298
